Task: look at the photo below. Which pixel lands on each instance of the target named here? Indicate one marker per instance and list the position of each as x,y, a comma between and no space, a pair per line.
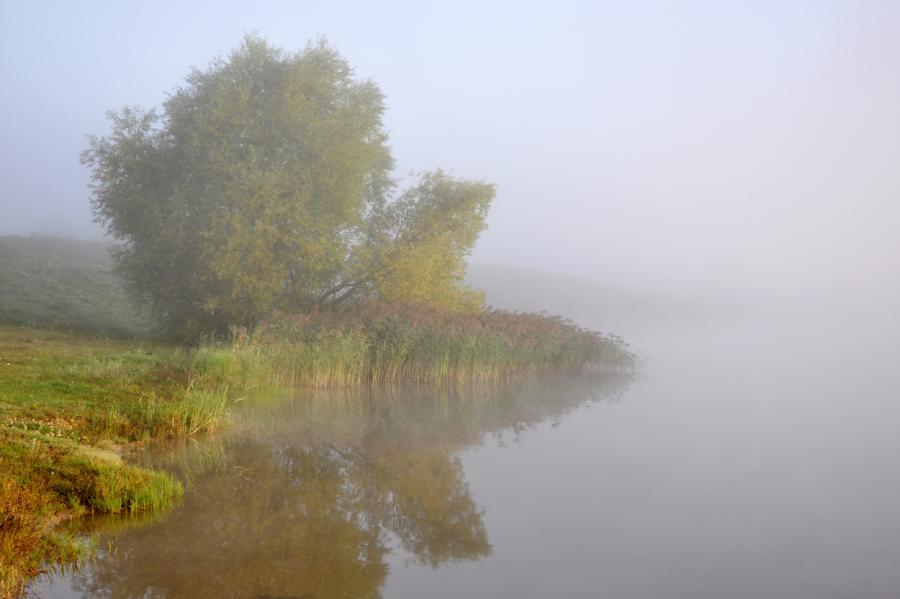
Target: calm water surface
754,457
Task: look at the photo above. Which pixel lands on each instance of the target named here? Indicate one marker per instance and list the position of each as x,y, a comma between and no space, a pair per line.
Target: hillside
63,283
66,283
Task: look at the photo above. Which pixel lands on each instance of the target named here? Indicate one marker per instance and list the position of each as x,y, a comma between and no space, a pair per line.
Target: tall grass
189,411
390,343
194,410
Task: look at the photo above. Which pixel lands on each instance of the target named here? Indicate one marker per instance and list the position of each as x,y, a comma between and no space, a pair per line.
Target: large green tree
265,183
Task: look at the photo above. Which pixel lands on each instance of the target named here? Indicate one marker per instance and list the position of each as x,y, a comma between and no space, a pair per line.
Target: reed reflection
306,497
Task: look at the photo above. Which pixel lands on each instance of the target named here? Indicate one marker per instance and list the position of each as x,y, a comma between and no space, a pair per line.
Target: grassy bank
70,403
46,480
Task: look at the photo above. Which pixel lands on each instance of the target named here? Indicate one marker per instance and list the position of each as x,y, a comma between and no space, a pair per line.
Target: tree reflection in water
306,497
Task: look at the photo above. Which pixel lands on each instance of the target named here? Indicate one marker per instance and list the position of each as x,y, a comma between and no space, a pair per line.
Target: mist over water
756,455
722,181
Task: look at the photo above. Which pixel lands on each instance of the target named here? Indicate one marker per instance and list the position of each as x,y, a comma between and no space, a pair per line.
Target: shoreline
71,405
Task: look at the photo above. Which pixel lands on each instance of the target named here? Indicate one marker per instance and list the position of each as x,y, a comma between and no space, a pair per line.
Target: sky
748,149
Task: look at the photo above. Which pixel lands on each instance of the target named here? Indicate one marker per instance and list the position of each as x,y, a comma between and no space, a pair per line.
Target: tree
265,183
417,245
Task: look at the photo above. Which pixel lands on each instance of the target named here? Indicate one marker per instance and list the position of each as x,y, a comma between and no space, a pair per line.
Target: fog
745,151
715,181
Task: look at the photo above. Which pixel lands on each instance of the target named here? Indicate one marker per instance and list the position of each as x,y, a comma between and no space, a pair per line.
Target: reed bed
389,343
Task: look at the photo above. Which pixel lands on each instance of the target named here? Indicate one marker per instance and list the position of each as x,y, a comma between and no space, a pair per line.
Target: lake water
753,457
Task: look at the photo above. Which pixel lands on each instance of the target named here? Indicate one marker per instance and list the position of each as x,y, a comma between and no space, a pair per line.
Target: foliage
265,183
418,256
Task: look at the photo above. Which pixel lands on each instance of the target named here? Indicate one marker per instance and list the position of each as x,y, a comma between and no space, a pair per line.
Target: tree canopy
265,183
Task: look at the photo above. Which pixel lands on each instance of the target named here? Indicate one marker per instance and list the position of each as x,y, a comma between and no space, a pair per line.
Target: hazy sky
742,146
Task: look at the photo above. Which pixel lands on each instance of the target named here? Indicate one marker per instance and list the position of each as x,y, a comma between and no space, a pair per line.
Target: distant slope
583,300
63,283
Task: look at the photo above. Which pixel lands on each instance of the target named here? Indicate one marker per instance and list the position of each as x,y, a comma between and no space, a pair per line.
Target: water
754,457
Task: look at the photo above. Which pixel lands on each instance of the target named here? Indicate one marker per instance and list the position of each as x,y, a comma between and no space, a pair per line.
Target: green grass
67,402
83,477
46,478
65,284
194,410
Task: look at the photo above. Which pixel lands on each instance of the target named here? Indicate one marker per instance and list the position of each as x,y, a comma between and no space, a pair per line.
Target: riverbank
71,404
64,405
